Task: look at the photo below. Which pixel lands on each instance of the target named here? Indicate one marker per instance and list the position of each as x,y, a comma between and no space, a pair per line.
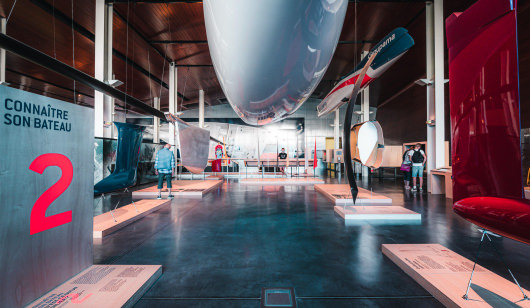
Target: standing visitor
406,166
165,166
282,156
418,158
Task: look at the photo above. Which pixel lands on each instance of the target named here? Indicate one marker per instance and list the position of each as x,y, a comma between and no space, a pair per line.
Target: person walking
418,158
164,168
406,165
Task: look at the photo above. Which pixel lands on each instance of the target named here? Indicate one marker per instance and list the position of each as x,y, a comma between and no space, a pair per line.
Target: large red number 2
38,220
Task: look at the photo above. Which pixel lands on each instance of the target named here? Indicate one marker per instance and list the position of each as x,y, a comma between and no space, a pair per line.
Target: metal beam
50,83
31,54
42,59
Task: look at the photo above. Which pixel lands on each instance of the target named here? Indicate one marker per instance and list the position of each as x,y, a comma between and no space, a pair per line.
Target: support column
336,129
435,89
103,105
173,102
439,81
336,136
431,136
3,28
201,108
365,109
156,121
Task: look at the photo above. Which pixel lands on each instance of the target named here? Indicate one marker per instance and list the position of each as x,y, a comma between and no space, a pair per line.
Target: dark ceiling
158,33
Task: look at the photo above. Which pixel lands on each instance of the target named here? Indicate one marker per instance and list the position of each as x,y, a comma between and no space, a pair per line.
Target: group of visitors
414,160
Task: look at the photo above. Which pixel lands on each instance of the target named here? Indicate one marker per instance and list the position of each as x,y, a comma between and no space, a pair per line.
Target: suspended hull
269,55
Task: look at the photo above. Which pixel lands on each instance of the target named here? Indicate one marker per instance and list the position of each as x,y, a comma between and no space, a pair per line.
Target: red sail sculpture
485,118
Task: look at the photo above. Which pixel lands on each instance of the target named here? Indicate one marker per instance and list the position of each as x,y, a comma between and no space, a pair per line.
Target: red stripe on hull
350,82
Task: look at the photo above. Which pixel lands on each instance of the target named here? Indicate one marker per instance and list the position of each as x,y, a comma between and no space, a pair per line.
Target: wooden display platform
104,224
445,274
380,213
283,181
341,195
102,286
215,177
188,188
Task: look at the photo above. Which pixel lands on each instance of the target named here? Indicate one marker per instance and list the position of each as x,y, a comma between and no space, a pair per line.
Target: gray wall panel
30,265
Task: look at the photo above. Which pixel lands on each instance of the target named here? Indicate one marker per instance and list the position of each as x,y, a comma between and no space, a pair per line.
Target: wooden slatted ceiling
373,24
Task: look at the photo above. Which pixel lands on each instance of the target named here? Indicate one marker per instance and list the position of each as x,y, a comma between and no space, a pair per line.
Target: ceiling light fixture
114,83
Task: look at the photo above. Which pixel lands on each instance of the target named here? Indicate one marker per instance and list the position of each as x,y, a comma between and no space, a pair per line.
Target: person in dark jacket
282,156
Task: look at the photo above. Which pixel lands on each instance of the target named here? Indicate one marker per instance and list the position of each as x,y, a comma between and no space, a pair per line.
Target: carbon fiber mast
347,130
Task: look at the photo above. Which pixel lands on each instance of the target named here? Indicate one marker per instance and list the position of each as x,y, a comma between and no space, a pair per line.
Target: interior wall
314,126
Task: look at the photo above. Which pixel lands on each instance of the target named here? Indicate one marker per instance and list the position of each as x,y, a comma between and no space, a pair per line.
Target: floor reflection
221,250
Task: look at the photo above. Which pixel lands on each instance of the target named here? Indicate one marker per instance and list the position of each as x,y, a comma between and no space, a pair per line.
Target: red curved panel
485,118
484,94
506,217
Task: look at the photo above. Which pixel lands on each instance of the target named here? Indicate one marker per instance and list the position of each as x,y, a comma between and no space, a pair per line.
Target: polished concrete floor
221,250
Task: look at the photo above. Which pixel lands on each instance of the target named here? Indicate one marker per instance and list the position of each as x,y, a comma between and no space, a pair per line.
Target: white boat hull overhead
269,55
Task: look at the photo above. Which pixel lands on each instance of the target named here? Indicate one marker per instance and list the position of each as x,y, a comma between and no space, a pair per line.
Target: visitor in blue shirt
164,166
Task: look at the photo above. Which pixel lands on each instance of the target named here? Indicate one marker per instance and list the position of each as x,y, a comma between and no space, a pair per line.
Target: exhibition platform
283,181
102,286
184,188
114,220
445,274
340,194
377,213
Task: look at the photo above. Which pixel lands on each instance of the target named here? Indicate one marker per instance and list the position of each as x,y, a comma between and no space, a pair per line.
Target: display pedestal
442,182
187,188
377,214
340,194
102,286
284,181
106,223
445,274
